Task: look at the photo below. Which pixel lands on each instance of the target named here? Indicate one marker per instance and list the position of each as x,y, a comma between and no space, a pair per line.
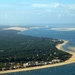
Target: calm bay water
60,70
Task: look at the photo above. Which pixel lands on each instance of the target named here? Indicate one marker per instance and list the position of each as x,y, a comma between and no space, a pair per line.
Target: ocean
47,32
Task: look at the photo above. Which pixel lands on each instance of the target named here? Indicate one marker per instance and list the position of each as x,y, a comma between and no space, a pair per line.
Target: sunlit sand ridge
16,28
63,29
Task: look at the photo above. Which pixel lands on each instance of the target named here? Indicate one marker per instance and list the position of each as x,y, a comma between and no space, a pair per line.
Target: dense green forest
23,48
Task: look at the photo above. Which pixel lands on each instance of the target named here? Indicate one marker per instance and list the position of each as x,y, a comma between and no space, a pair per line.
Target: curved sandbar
59,46
72,59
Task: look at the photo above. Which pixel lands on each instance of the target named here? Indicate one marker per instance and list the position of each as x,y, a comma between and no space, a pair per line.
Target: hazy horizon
38,25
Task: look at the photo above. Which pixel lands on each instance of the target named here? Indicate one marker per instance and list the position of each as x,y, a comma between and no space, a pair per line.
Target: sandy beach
59,46
72,49
63,29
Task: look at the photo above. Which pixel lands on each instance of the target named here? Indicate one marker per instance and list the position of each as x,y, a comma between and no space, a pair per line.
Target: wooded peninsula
18,51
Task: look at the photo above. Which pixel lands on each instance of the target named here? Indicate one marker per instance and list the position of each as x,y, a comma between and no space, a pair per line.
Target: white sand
16,28
63,29
59,46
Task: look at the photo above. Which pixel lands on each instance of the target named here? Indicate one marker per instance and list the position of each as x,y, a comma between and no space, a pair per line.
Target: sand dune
63,29
16,28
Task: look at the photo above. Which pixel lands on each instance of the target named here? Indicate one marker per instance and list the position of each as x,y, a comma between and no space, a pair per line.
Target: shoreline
59,47
19,29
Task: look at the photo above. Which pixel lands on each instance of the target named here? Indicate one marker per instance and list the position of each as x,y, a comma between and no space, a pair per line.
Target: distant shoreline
19,29
63,29
59,46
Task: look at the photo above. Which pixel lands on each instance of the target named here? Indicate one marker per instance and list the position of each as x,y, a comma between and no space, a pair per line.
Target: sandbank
59,46
21,29
63,29
72,48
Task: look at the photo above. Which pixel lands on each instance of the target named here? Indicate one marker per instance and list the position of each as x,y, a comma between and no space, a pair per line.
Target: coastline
59,46
20,29
72,59
72,48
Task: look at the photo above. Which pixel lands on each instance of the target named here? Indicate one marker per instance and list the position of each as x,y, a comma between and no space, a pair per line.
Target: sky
23,12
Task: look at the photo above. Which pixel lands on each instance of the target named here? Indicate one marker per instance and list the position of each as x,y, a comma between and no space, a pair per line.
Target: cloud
15,6
70,14
71,6
4,5
56,9
53,5
6,16
59,15
40,5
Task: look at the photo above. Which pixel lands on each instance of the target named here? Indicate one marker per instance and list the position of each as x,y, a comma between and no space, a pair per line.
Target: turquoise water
46,32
